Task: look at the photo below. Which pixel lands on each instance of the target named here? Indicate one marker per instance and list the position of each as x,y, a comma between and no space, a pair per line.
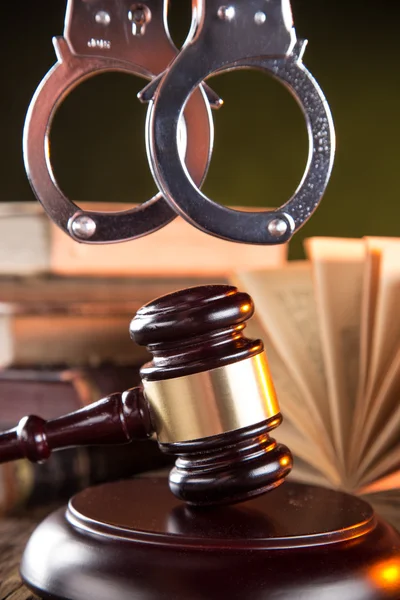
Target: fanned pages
291,323
298,429
386,332
337,266
331,324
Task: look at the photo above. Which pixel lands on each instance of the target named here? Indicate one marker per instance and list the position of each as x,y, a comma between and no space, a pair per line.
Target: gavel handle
117,419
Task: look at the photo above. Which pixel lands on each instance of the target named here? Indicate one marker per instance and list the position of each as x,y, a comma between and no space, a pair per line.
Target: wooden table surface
14,533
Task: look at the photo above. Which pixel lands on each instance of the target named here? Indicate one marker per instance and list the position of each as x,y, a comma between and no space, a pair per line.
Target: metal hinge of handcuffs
116,35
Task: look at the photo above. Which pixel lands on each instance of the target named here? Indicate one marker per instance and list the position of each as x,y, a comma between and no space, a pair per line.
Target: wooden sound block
134,540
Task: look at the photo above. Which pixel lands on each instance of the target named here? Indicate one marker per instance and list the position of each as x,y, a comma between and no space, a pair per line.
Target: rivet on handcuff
101,36
255,34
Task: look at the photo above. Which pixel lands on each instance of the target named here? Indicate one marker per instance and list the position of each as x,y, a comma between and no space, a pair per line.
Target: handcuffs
101,36
105,35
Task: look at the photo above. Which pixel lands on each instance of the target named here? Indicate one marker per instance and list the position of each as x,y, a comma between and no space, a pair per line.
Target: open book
331,326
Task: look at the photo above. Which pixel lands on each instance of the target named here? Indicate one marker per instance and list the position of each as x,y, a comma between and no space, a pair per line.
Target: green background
260,144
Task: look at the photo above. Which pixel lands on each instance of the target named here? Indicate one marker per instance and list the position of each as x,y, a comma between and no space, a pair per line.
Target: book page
338,267
380,440
384,456
368,310
374,400
302,472
297,431
383,467
293,438
289,396
310,456
369,296
386,332
390,482
382,426
386,504
285,307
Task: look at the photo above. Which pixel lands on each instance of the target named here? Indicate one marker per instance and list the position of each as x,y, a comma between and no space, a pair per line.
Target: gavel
207,395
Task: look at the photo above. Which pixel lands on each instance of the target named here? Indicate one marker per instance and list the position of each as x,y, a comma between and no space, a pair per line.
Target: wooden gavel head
207,394
210,396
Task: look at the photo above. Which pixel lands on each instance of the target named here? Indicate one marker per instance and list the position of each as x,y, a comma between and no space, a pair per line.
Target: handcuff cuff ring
195,64
91,226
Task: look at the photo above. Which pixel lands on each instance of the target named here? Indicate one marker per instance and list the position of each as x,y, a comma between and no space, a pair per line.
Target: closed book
30,243
75,321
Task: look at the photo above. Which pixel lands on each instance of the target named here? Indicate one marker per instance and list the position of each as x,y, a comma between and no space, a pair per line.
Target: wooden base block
134,540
